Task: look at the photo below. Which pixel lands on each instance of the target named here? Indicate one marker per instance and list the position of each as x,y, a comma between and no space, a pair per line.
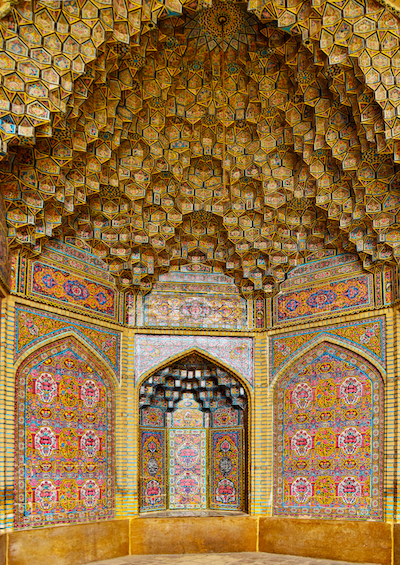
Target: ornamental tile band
329,298
63,287
195,310
204,300
5,259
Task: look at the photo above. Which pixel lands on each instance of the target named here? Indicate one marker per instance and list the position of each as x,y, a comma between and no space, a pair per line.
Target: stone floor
218,559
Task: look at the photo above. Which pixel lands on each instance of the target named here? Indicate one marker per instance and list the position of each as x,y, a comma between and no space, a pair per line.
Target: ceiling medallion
222,21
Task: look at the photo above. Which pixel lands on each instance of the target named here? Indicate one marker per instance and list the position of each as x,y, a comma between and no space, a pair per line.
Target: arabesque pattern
152,449
33,326
367,335
64,452
186,299
202,411
325,299
187,469
227,469
235,352
48,282
328,437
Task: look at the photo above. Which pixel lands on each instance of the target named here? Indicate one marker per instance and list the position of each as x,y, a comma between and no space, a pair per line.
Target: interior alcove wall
257,358
379,325
65,450
196,408
346,183
329,426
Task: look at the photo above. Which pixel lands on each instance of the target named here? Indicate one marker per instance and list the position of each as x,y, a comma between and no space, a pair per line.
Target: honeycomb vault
245,138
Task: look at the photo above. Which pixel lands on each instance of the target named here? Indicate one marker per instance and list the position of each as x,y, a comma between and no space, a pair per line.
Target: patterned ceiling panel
242,138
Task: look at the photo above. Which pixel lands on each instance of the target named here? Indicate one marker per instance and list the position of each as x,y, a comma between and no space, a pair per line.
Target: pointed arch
216,429
82,341
328,435
206,355
65,422
236,353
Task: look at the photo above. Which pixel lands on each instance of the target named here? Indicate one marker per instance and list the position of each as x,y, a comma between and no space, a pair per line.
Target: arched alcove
193,422
328,436
65,428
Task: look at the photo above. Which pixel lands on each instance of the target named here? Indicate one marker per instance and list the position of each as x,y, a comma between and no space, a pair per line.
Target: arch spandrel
334,340
74,336
204,354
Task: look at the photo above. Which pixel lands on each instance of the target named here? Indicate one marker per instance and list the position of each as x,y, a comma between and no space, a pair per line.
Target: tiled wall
260,461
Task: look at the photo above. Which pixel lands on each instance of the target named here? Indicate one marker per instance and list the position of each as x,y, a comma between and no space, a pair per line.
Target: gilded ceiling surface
245,137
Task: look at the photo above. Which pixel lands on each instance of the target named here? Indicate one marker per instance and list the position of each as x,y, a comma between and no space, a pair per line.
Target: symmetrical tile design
227,466
153,488
368,335
334,285
64,451
33,326
329,437
187,469
234,352
204,300
240,139
204,461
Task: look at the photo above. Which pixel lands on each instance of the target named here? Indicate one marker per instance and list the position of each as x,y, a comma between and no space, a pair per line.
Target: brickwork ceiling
247,138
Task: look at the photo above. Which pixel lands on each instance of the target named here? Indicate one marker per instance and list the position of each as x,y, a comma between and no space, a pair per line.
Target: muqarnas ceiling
244,139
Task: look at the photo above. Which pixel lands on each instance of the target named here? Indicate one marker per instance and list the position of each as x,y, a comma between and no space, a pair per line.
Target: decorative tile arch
71,332
196,405
34,328
207,356
235,353
64,429
366,336
328,436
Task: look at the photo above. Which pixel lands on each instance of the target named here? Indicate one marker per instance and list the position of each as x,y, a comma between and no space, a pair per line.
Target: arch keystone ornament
328,407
